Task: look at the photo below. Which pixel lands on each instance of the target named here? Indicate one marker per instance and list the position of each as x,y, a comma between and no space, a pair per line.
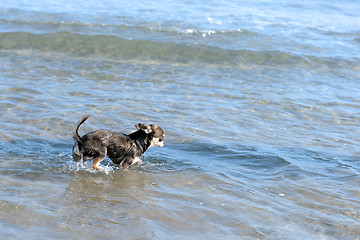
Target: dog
122,149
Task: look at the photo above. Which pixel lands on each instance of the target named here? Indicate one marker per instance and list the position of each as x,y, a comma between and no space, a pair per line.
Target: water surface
259,102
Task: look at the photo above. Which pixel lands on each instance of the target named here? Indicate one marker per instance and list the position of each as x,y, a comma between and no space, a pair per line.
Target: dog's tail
76,134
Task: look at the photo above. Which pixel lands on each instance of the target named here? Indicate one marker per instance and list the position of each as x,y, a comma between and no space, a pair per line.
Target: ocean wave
119,49
118,25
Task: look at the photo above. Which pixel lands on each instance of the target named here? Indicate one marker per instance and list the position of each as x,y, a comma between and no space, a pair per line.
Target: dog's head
155,133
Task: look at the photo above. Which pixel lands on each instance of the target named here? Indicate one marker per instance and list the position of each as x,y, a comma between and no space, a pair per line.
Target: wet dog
123,149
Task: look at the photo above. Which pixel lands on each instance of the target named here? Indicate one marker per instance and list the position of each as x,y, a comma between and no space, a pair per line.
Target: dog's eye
160,140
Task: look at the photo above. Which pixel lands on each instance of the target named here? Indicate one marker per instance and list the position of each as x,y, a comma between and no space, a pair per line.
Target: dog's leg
77,155
125,165
97,159
96,162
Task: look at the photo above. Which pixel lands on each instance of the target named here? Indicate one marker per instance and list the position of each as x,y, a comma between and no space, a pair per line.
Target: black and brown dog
123,149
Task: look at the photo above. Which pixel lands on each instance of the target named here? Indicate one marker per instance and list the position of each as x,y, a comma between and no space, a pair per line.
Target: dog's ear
143,127
137,126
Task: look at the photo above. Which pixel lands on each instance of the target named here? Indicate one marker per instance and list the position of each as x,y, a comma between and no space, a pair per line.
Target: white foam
86,166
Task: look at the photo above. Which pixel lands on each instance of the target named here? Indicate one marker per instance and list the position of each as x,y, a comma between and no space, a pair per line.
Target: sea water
259,101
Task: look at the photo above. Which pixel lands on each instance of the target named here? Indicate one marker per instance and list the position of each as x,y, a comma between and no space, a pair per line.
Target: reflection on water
161,197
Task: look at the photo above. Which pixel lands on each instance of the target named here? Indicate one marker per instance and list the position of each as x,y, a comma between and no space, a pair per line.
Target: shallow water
259,103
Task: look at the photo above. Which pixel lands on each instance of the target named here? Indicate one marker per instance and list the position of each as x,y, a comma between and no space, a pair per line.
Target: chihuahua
123,149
